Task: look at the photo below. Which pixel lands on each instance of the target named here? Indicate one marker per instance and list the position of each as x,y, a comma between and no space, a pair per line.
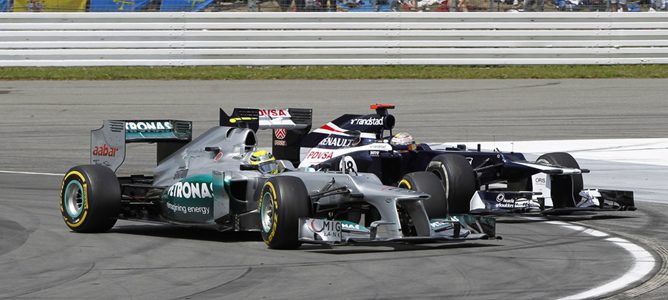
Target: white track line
30,173
644,263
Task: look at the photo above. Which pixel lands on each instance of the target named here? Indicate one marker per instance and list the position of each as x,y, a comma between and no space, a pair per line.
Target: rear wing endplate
289,126
107,144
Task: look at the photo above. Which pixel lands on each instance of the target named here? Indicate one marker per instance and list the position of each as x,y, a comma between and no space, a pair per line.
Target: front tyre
427,183
565,189
90,198
458,179
283,200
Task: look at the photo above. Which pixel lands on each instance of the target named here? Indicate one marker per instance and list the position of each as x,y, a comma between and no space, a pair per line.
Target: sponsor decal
316,154
470,160
336,142
540,180
274,113
374,153
280,133
349,226
379,146
148,126
326,229
190,190
218,156
367,121
280,143
190,200
513,205
105,150
188,209
504,202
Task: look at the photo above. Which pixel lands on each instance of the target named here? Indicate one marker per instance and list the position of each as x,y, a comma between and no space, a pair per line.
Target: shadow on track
362,249
190,233
205,234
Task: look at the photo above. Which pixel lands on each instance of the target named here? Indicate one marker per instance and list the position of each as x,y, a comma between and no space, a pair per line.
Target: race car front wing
337,232
503,202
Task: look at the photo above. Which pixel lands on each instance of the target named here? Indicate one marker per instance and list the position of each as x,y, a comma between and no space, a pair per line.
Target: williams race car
221,180
475,181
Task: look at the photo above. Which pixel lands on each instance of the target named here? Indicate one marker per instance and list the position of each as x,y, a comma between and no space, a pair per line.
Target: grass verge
333,72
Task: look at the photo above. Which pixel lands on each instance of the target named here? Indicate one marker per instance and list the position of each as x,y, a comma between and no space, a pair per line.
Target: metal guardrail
178,39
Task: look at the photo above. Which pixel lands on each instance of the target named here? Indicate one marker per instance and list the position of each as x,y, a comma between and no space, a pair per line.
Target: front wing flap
504,202
337,232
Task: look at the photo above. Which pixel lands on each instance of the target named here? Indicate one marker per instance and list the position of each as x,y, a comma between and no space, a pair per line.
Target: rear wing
289,127
368,127
107,144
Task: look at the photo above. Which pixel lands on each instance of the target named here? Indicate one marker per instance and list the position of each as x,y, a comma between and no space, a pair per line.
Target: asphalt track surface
45,128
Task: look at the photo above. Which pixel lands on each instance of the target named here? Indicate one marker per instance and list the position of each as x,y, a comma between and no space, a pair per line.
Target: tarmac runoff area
617,254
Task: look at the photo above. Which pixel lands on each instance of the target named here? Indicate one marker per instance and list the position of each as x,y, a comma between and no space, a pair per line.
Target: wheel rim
74,198
267,212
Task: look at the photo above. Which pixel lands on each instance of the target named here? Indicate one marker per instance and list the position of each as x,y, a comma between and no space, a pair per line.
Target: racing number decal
348,165
270,190
77,220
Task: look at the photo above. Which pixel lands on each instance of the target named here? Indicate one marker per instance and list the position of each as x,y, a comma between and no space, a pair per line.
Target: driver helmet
402,139
265,162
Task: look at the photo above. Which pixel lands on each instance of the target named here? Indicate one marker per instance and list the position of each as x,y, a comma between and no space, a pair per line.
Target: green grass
334,72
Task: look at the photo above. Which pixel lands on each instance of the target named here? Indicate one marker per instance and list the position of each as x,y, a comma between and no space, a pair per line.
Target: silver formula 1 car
213,181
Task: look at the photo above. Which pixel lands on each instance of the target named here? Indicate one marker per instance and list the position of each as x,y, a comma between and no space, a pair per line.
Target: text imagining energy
189,209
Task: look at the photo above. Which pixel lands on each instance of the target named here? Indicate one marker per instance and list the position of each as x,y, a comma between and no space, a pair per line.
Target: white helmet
402,139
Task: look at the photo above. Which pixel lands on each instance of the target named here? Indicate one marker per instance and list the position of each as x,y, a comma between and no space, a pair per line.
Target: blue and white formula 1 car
472,181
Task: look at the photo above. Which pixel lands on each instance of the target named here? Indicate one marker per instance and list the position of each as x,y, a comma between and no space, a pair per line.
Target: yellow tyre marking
85,190
405,182
275,202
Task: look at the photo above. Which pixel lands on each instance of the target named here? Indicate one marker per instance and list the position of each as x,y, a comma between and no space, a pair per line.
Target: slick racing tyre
90,198
458,180
565,189
427,183
283,200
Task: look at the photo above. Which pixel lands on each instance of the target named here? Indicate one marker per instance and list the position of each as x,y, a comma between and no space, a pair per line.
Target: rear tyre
90,198
458,180
565,189
427,183
283,200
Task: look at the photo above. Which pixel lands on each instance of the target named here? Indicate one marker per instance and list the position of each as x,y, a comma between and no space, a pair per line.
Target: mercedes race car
475,181
221,180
